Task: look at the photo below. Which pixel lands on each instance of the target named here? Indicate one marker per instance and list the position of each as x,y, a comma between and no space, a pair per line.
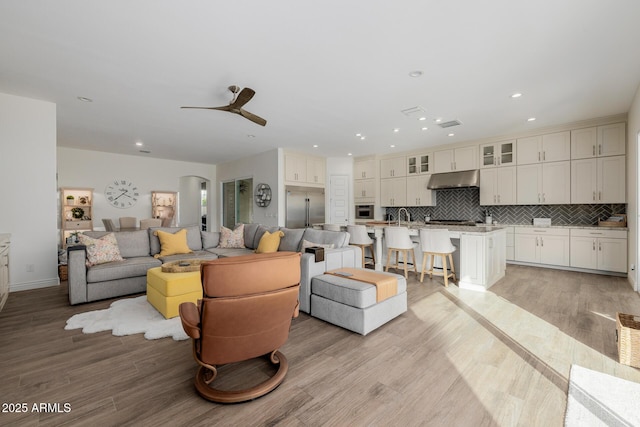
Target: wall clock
262,195
121,193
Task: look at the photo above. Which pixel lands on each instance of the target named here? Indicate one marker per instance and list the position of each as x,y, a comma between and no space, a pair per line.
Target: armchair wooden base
205,376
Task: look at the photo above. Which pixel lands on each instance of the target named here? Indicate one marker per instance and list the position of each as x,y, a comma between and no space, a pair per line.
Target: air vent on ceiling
449,124
416,111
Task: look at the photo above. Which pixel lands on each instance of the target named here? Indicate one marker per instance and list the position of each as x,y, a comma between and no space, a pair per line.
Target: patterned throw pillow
232,239
102,250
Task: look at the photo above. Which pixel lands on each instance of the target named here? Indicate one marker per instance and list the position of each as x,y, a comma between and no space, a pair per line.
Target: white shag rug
597,399
127,317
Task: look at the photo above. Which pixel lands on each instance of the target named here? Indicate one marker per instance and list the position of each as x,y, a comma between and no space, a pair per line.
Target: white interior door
339,200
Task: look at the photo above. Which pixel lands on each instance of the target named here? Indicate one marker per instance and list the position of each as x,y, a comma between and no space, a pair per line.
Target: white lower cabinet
599,249
509,244
482,259
542,245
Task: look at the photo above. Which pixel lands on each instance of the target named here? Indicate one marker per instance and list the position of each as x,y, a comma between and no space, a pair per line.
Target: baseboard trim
27,286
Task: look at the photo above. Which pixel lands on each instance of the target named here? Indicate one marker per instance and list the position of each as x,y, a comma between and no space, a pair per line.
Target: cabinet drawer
77,225
542,231
613,234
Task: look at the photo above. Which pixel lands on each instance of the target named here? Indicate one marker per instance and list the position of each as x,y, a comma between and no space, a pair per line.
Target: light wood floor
455,358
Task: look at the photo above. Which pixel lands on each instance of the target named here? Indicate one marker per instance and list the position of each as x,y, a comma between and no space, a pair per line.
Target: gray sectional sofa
138,248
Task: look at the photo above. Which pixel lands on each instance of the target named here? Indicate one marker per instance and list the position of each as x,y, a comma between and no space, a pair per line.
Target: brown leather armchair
246,311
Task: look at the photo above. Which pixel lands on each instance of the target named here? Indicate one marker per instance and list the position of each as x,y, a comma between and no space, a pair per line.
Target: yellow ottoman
166,291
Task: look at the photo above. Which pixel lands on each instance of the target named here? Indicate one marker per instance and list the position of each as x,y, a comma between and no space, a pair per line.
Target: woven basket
62,272
628,332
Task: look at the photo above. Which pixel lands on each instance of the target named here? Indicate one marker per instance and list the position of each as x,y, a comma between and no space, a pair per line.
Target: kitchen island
481,251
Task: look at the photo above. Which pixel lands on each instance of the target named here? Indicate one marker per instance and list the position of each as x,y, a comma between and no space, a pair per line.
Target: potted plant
70,199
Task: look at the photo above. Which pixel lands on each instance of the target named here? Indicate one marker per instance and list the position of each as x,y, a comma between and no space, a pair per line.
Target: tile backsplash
465,204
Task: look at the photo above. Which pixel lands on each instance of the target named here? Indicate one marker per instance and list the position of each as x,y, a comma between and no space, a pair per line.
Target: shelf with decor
76,211
163,206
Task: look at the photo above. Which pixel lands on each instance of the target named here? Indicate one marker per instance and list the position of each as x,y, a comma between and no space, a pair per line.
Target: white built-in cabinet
417,192
482,259
498,154
607,140
456,159
498,186
598,180
542,245
599,249
393,191
544,184
418,164
364,169
364,191
551,147
393,167
300,169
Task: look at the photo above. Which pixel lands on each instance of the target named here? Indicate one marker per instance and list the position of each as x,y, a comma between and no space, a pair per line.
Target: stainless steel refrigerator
305,207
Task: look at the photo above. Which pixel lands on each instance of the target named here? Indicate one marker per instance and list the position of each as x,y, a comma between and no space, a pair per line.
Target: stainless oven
364,211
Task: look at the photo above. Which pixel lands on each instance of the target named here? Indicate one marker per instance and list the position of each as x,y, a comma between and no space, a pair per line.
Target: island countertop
414,227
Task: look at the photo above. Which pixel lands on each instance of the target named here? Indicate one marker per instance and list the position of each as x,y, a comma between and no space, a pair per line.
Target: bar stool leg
389,251
424,264
445,272
373,254
453,269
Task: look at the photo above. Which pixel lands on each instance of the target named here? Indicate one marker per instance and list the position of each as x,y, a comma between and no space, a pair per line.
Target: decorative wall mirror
262,195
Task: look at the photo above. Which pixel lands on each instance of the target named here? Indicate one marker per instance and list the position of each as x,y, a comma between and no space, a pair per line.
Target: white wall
190,200
94,169
633,128
263,168
28,191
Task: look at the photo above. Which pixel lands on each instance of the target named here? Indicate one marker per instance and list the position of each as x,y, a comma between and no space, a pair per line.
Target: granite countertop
581,226
478,229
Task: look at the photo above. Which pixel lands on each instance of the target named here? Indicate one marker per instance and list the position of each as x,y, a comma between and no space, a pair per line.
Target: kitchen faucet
400,215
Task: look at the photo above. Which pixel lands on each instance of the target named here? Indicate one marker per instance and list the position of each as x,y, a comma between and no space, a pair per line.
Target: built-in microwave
364,211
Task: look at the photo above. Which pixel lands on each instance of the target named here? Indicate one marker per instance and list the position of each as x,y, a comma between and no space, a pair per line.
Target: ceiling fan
240,97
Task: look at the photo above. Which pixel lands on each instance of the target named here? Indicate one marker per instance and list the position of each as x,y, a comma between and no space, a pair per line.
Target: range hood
462,179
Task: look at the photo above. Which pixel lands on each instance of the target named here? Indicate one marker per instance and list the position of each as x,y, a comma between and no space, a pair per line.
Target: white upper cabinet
498,154
544,184
417,192
364,190
302,170
393,167
316,167
600,180
419,164
608,140
551,147
364,169
393,192
498,186
457,159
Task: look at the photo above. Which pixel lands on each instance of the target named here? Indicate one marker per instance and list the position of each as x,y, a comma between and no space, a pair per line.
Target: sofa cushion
260,231
351,292
250,234
292,239
131,267
210,239
172,243
232,238
337,238
133,243
269,242
193,237
101,250
307,244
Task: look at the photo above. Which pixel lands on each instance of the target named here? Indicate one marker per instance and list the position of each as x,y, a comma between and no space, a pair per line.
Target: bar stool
398,240
331,227
358,236
437,242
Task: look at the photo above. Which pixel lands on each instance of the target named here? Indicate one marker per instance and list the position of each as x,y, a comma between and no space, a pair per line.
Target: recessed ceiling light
84,99
531,119
451,134
315,145
139,144
437,120
362,137
425,128
349,154
422,118
392,146
358,134
516,95
396,130
416,73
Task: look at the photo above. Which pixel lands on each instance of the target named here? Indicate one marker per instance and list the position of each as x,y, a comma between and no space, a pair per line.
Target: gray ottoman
352,304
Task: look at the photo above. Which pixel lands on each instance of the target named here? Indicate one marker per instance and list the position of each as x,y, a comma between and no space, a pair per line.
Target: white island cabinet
482,251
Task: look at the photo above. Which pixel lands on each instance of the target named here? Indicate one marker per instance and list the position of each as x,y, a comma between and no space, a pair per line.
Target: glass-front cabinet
419,164
498,154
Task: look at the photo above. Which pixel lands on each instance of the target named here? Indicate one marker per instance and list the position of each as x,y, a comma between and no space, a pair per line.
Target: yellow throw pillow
172,244
269,242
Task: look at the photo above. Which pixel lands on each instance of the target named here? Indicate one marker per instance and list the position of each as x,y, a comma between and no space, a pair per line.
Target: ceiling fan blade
224,108
253,117
243,97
